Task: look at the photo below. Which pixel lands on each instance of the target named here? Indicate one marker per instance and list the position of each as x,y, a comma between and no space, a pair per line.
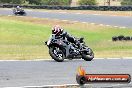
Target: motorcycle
60,49
19,12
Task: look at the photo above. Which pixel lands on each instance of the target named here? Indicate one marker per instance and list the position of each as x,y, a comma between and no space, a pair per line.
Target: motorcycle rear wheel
88,57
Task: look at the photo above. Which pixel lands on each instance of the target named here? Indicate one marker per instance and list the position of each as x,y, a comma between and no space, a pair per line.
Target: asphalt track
120,21
49,72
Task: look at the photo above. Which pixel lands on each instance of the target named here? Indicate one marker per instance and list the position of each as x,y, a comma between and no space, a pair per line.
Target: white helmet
18,6
57,30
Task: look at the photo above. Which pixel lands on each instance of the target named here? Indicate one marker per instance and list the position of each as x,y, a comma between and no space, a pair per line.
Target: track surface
120,21
39,73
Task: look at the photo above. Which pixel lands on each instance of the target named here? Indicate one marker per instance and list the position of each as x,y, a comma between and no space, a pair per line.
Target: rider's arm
69,37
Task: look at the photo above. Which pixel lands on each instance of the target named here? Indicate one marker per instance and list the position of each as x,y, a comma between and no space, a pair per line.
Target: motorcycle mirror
81,39
46,43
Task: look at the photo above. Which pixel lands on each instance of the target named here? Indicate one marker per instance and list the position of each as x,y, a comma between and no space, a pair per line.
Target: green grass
24,39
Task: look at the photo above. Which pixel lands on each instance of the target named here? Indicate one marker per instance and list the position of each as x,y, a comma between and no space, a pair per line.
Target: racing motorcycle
60,49
19,12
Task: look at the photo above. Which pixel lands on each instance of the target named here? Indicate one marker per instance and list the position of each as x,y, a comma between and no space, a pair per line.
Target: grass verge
22,38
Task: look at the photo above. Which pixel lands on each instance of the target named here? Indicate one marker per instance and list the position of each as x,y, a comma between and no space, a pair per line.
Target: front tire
59,56
88,57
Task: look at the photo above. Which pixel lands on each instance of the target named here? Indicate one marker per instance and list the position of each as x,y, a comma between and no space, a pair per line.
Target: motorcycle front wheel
57,54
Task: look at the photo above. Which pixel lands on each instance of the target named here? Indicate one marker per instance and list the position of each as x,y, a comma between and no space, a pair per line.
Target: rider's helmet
18,7
57,30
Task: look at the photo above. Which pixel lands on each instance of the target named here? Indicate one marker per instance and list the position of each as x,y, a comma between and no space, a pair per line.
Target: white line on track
75,21
113,58
73,59
84,22
71,86
107,25
122,27
35,17
116,26
27,60
48,86
65,20
101,25
79,13
9,15
47,11
114,15
127,57
92,23
96,14
111,15
62,12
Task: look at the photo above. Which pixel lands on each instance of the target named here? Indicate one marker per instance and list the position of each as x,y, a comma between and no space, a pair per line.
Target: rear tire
54,56
88,57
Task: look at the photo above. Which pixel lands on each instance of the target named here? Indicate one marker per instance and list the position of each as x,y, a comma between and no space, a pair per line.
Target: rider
18,8
59,32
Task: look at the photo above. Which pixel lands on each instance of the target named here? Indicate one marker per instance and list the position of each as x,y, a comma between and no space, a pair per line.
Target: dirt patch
65,24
